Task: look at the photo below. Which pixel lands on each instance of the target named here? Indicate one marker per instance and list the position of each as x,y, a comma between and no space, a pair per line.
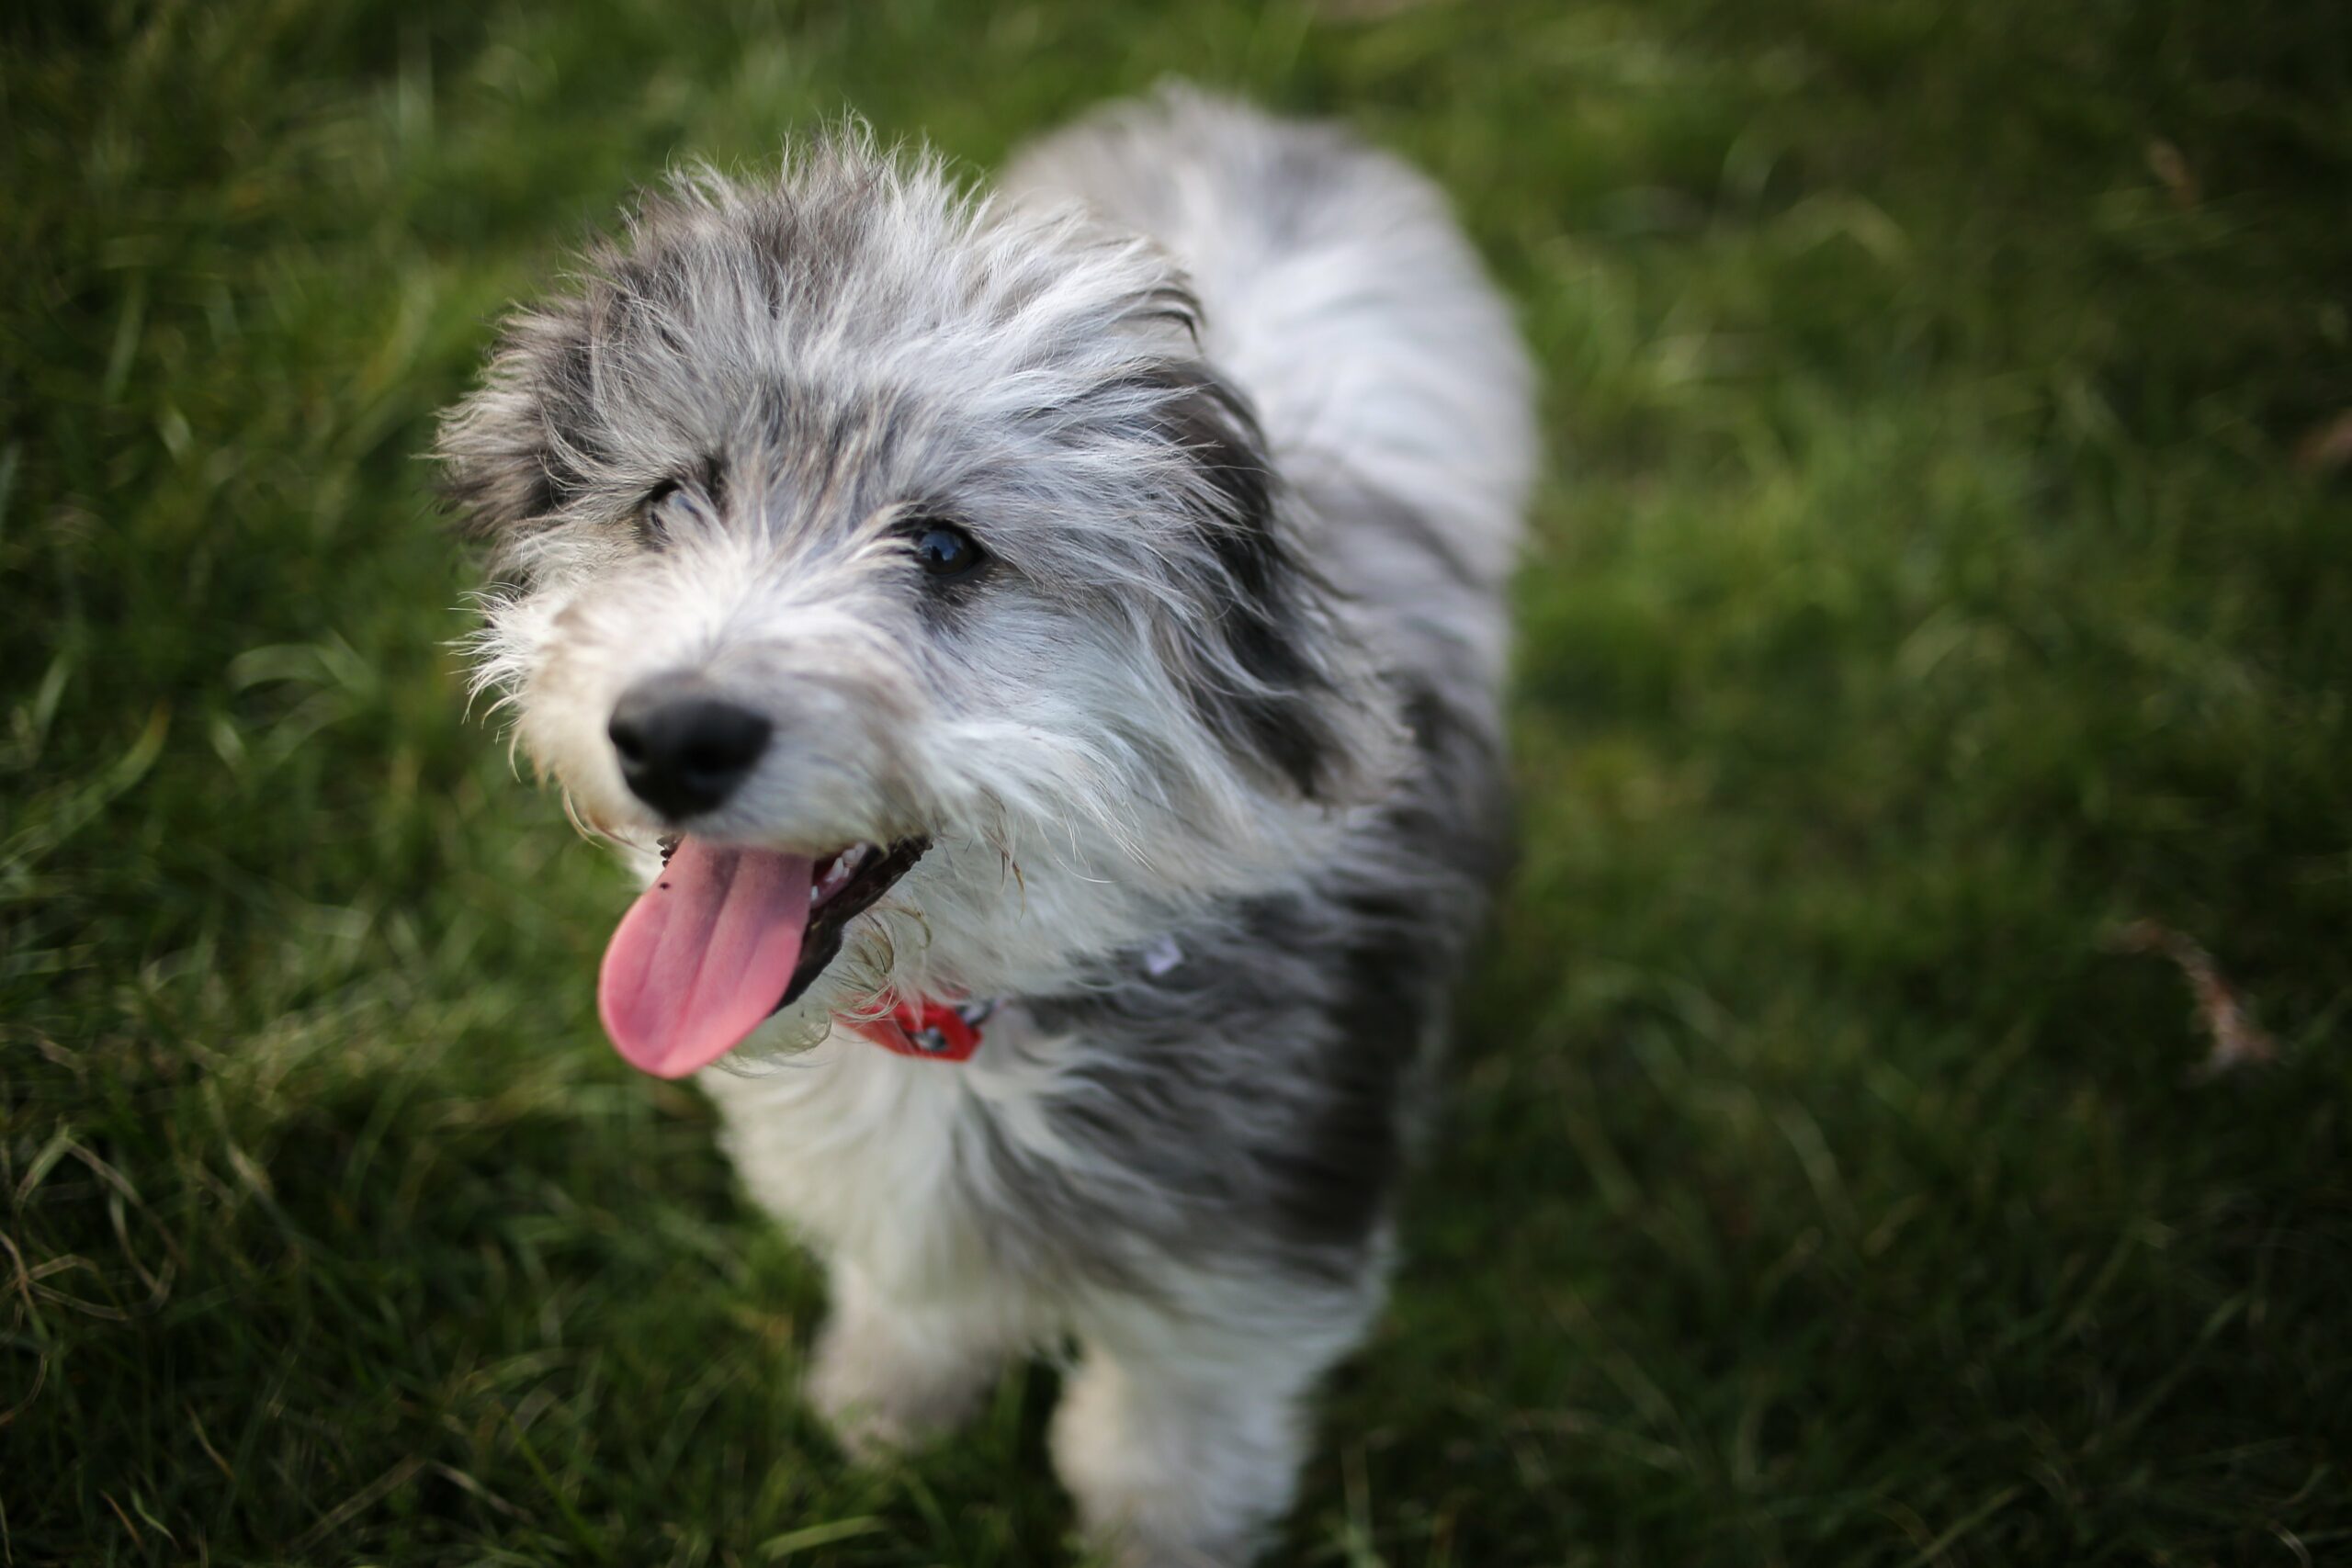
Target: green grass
1927,588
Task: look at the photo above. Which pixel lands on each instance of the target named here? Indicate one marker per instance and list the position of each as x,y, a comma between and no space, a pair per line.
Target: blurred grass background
1946,564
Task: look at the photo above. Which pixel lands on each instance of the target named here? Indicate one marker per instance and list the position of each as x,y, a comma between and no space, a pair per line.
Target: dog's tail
1337,292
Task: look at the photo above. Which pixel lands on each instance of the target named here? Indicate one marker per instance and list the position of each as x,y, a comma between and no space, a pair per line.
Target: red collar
937,1032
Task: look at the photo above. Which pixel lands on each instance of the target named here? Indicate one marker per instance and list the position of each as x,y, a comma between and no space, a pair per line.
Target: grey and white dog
1058,630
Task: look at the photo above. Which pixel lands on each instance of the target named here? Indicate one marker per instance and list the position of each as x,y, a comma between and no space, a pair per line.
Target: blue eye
944,551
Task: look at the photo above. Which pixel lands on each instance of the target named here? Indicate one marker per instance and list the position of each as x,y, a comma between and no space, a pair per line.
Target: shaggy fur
1209,753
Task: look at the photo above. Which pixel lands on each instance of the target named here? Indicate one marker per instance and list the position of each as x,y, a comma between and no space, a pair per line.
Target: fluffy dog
1051,641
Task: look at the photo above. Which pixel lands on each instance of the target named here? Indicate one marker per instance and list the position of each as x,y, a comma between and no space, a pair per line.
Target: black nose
683,750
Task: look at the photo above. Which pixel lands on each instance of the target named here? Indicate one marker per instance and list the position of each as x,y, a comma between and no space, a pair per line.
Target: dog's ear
1275,672
513,451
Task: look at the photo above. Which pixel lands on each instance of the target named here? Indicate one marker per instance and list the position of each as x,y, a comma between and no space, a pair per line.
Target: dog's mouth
727,936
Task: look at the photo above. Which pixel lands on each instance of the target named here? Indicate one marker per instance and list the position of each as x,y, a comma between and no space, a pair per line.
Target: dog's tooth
836,876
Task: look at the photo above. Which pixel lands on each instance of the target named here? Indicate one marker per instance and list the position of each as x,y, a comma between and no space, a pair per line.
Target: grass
1927,588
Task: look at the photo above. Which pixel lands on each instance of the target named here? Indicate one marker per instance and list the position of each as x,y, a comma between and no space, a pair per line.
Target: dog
1042,652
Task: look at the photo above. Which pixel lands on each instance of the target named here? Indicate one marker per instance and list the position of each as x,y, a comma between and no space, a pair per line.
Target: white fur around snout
781,637
1209,757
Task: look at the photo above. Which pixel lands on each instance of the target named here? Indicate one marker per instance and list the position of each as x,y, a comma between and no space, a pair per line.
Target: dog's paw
881,1396
1122,1546
1173,1473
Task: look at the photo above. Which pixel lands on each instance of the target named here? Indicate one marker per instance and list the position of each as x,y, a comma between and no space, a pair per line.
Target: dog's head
896,557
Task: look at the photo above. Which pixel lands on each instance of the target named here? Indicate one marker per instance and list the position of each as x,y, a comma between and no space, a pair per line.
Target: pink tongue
702,955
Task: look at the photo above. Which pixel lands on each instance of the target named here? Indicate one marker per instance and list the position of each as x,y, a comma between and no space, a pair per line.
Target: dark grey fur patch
1259,1090
1281,715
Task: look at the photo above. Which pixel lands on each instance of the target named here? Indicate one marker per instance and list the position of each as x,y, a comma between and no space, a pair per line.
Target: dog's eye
944,551
652,526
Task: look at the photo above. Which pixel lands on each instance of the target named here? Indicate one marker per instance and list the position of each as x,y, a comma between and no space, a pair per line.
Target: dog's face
897,559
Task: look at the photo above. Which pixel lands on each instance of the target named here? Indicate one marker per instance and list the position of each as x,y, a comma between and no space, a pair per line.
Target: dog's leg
1181,1438
888,1375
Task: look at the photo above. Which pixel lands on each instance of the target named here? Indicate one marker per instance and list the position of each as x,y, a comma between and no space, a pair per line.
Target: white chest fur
878,1160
